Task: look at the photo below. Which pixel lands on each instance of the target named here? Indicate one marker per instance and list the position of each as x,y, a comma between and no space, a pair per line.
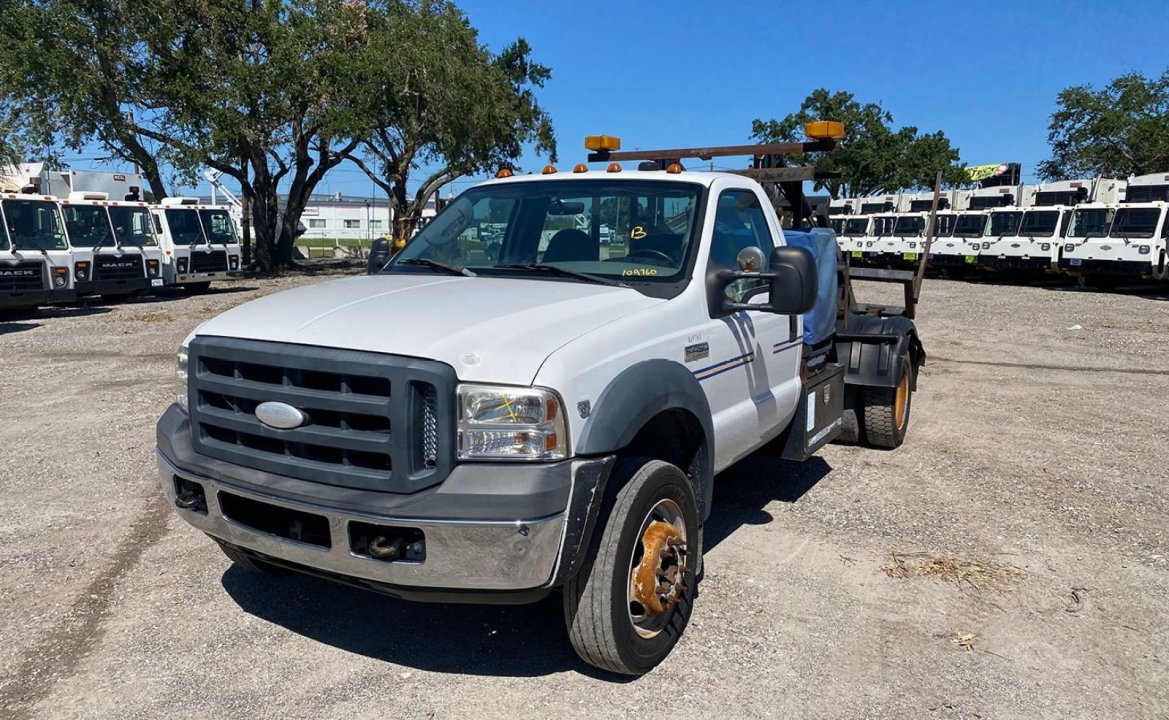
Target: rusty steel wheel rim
657,568
901,399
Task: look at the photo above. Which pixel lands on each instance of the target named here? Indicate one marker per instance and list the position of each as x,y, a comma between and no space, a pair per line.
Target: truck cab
1109,244
199,242
114,247
457,427
959,249
35,264
857,229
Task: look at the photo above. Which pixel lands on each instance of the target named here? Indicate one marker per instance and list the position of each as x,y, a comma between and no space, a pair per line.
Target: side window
739,222
1165,225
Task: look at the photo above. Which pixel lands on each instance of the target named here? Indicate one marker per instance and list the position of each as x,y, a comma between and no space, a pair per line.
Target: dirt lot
1010,561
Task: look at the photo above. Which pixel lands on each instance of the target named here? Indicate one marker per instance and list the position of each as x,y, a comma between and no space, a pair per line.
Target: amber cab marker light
548,170
598,143
674,168
824,130
613,167
504,173
580,167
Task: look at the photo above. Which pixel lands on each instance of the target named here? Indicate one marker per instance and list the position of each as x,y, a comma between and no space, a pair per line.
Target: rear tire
850,419
248,562
886,410
599,609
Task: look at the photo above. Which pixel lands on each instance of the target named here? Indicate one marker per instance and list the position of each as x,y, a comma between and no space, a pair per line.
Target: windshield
856,226
1005,223
184,227
1061,197
1039,223
34,225
132,225
618,230
1146,193
1091,223
970,226
909,226
1135,222
883,225
870,208
87,226
987,202
944,225
218,226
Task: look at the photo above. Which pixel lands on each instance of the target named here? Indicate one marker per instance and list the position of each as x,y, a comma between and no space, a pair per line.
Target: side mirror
794,282
379,255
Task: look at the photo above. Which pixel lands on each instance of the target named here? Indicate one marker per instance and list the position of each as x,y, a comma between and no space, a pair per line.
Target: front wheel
627,607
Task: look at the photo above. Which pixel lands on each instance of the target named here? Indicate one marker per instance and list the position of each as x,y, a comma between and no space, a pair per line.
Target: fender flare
877,362
637,395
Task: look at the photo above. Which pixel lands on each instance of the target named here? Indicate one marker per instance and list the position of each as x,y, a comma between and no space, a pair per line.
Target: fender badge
584,407
697,352
281,416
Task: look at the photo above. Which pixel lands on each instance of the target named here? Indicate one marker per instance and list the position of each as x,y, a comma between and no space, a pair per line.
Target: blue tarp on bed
820,321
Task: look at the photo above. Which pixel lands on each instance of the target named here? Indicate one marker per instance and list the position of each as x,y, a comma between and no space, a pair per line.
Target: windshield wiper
564,272
436,265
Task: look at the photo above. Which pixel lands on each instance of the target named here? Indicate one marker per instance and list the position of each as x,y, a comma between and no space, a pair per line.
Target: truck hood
488,329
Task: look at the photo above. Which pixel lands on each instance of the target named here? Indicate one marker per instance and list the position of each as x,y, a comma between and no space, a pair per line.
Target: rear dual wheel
886,410
627,607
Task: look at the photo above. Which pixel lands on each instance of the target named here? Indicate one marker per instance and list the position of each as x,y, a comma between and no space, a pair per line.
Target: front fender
637,395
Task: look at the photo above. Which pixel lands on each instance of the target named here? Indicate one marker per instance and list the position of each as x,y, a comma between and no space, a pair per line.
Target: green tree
72,72
1120,130
446,105
873,157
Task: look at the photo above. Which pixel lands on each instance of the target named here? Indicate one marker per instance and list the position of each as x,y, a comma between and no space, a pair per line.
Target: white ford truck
473,426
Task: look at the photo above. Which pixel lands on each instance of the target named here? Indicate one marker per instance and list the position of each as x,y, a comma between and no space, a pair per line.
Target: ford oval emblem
281,416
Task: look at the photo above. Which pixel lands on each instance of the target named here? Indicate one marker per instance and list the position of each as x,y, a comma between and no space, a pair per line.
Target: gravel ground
1009,561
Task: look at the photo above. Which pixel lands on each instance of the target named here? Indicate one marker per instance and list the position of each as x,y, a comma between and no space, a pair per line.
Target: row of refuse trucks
109,243
1105,231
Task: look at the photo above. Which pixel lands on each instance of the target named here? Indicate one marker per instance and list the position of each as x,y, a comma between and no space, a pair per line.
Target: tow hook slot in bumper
387,543
189,495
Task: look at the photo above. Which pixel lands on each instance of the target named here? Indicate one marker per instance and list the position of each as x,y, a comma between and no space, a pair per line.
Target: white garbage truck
457,428
198,241
35,263
115,250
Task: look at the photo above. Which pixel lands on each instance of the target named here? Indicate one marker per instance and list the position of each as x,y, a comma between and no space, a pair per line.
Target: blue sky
682,74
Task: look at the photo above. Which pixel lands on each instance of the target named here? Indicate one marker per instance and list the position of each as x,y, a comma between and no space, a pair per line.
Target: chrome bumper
460,554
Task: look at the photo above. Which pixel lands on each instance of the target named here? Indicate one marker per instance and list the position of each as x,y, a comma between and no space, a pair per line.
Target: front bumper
113,287
34,298
1111,268
492,532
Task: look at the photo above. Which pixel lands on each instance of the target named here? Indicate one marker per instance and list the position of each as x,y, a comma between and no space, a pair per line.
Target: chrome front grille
373,421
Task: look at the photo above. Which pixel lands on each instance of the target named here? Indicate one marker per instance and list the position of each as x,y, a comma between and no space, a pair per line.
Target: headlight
510,423
1143,249
181,377
181,263
1045,247
81,269
233,262
1068,247
152,268
60,277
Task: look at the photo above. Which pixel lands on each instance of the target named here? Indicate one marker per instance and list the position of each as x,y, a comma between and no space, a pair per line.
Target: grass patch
978,574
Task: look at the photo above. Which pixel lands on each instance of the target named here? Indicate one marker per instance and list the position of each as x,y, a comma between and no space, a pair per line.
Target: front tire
629,604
